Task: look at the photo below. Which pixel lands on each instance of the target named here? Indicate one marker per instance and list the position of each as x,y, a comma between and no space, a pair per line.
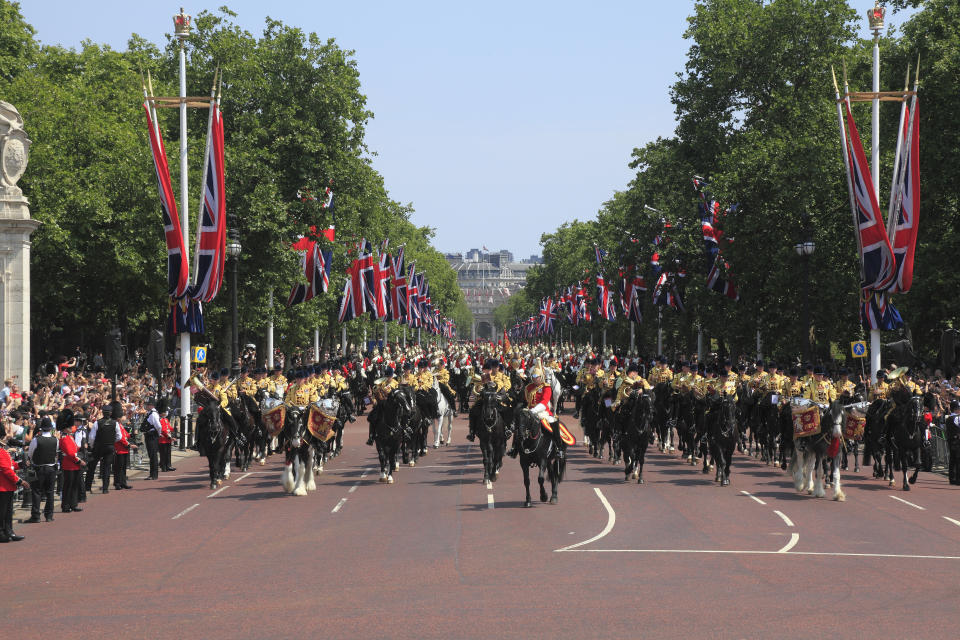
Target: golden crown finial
181,24
875,16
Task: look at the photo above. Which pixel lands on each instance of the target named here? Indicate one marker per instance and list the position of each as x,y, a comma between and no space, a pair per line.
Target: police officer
103,434
953,441
43,456
152,430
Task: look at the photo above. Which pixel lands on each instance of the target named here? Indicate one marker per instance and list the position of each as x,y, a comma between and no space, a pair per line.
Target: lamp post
233,250
805,249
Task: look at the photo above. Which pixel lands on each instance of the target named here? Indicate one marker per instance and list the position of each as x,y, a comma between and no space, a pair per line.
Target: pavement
439,554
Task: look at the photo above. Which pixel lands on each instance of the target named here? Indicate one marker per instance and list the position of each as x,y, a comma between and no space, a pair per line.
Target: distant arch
484,330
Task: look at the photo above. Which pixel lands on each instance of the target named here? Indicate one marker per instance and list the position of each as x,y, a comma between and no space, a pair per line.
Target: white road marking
956,522
223,488
783,517
915,506
765,553
794,539
753,497
488,484
242,477
365,472
611,520
339,505
353,488
185,511
489,501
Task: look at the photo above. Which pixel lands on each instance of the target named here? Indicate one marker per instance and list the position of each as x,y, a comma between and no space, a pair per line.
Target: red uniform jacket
166,431
8,475
537,396
122,445
70,460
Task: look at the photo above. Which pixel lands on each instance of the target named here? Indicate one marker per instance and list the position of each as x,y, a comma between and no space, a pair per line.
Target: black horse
590,411
683,409
243,416
746,408
906,427
608,435
637,425
538,448
662,417
394,421
723,436
491,430
213,438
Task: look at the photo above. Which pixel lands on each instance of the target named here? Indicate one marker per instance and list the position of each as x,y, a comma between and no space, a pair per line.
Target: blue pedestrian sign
199,355
859,349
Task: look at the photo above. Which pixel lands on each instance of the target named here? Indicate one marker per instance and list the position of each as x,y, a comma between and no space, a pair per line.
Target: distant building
487,280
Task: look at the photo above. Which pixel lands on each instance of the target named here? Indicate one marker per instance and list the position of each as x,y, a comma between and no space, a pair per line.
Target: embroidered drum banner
854,425
806,421
320,423
273,420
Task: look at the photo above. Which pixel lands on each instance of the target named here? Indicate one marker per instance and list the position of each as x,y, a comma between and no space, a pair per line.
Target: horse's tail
560,468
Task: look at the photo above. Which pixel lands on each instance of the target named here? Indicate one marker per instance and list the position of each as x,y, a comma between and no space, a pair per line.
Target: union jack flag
212,227
353,302
548,314
605,304
877,312
176,257
413,298
316,268
876,253
906,213
398,290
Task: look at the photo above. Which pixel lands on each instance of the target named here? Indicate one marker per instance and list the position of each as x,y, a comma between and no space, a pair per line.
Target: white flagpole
846,164
270,333
203,175
875,170
895,181
184,228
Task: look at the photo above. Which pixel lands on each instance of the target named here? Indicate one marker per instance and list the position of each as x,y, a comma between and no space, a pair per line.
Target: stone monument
15,229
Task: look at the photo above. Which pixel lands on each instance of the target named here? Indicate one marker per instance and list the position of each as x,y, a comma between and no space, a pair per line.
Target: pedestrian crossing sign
859,349
199,355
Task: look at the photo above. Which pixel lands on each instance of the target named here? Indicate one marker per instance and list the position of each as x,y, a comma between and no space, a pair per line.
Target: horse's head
831,418
294,424
489,404
528,425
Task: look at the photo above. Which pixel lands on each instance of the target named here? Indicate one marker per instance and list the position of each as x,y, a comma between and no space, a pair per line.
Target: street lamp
233,250
805,249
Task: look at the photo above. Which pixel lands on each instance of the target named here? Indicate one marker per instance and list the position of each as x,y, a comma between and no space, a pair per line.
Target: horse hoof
527,504
389,479
412,463
640,481
856,469
906,487
554,500
219,482
494,477
382,479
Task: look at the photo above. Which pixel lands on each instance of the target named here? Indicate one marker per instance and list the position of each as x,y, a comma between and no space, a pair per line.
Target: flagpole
182,31
316,344
270,332
875,170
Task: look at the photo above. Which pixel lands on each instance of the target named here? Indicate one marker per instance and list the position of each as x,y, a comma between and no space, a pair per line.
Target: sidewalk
135,472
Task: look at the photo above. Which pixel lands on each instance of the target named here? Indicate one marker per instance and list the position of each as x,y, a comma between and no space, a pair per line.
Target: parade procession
255,383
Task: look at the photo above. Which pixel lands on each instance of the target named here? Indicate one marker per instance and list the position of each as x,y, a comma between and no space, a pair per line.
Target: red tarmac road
439,555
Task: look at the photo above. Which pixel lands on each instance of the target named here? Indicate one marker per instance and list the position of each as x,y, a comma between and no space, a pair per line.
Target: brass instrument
896,373
196,382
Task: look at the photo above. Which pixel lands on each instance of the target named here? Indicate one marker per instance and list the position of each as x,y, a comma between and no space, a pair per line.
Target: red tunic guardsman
70,464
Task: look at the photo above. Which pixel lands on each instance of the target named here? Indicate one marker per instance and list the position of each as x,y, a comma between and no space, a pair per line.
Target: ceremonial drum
274,414
322,417
806,417
856,420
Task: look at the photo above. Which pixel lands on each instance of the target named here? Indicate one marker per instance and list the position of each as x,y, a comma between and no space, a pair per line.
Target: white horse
810,452
445,419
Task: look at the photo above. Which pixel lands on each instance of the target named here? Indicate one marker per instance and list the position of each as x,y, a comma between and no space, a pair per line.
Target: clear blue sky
496,120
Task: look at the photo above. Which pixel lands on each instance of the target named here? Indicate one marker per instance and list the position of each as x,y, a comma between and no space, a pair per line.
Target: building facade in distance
488,279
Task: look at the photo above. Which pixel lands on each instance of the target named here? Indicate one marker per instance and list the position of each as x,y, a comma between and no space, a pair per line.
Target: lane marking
242,477
339,505
956,522
783,517
753,497
185,511
365,472
223,488
489,485
794,539
353,488
611,520
489,501
915,506
766,553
